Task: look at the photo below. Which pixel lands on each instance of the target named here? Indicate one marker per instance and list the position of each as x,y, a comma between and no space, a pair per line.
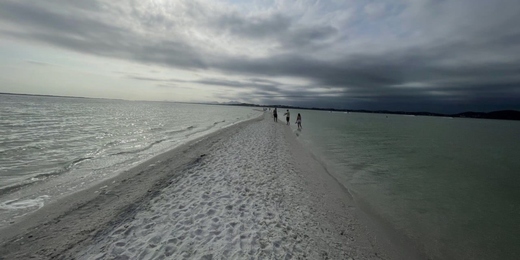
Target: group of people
288,118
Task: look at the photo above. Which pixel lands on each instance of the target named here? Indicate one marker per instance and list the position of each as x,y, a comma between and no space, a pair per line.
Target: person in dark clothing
287,116
275,114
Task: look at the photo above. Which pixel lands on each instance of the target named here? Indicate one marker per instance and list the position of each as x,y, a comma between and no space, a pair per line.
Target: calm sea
51,147
451,185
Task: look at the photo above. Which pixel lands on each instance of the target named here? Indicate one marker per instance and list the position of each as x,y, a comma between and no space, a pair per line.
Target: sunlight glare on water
53,146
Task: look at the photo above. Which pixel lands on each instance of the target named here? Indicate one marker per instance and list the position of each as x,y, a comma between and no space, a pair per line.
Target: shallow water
51,147
451,185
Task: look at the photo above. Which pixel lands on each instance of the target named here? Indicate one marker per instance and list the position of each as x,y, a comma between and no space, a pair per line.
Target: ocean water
51,147
451,185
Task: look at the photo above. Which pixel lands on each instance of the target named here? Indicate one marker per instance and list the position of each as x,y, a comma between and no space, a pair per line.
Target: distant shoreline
499,114
41,95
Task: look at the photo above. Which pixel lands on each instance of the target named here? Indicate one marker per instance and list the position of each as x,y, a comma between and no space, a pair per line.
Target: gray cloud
171,86
167,86
266,85
38,18
425,55
148,79
85,33
253,26
38,63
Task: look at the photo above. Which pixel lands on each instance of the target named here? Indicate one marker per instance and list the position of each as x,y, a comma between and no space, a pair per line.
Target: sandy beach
249,191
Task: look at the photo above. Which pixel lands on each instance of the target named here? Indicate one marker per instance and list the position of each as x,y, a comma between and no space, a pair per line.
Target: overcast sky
412,55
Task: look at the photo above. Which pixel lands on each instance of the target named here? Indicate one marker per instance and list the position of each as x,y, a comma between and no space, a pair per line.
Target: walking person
299,121
287,116
275,114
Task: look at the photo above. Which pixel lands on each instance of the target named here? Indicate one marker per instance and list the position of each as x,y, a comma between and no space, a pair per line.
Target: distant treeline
502,114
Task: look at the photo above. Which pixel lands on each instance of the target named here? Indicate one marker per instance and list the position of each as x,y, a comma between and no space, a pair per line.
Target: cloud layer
409,55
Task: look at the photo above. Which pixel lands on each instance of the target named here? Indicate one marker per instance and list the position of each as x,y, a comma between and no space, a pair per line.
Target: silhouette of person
299,121
275,114
287,116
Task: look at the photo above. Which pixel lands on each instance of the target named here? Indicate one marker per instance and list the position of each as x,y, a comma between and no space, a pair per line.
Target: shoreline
311,203
93,163
395,244
389,243
28,231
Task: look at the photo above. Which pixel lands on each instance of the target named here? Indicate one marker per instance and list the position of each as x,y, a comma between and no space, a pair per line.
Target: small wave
200,131
111,143
78,160
142,149
60,171
23,204
156,129
209,127
180,130
10,189
20,148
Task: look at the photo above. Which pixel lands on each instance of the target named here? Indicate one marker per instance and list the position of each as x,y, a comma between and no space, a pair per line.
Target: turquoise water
451,185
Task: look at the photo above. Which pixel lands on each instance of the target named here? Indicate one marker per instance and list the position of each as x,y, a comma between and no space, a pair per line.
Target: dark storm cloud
467,54
362,71
406,79
267,85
